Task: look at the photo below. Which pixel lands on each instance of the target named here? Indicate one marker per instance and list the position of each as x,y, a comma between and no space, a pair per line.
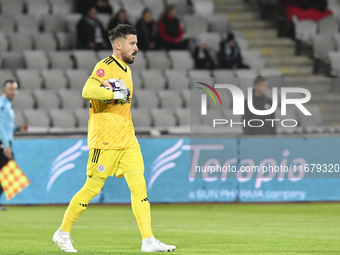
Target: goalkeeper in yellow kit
114,148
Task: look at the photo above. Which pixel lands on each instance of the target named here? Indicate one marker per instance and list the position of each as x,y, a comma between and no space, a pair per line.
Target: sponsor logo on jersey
101,168
100,72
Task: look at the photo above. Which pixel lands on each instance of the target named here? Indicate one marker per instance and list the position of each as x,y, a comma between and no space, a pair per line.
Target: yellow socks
80,201
139,201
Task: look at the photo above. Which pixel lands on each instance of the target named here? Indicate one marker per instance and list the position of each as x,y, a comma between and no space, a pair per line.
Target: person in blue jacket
7,126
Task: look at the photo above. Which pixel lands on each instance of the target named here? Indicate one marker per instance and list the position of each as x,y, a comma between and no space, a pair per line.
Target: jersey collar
120,63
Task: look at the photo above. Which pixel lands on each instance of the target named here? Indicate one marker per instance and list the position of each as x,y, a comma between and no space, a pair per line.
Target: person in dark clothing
120,18
260,102
229,55
203,59
90,32
170,30
147,31
103,6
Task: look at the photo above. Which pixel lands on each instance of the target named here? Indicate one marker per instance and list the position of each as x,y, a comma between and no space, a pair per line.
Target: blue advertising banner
56,169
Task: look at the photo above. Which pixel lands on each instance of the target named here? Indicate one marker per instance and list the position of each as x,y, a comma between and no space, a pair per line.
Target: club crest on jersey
100,73
101,168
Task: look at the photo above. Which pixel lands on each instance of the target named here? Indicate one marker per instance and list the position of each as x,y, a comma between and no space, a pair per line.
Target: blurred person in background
203,59
90,32
260,102
7,126
229,55
170,30
147,31
120,18
102,6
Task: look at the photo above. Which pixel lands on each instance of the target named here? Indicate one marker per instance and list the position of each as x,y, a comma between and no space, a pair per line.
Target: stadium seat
334,58
187,117
27,24
71,98
186,97
4,44
54,79
200,76
102,54
46,99
177,79
158,59
19,119
336,38
246,78
170,99
219,23
24,100
204,8
254,59
38,7
328,26
194,25
71,22
6,75
77,78
53,23
137,81
310,120
163,118
116,5
82,116
134,9
20,42
45,41
7,24
12,7
37,118
35,59
61,7
105,19
304,30
62,118
223,73
60,59
243,43
181,59
322,44
140,62
273,76
146,98
212,40
157,7
153,79
65,41
182,7
141,118
12,60
85,59
215,113
29,79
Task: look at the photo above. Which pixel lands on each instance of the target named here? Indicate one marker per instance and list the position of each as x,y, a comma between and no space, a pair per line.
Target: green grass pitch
298,228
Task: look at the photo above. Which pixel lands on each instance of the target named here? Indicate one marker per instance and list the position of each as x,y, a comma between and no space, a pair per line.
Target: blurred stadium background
290,47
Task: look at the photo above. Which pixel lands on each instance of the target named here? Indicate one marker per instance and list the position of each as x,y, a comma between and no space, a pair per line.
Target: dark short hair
259,79
121,31
230,37
7,81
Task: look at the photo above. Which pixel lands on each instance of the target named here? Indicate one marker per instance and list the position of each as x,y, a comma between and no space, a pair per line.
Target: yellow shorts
105,163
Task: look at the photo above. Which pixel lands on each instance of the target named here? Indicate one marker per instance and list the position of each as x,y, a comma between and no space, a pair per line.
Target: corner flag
12,179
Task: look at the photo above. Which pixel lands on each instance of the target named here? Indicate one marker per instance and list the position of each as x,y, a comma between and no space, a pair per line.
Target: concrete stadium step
271,43
235,16
276,53
319,81
251,34
287,60
296,71
250,25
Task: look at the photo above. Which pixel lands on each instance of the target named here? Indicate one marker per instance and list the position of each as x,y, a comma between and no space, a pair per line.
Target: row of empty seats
142,117
86,59
55,79
133,7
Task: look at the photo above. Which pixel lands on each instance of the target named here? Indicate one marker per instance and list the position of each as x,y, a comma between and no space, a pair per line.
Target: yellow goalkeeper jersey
110,125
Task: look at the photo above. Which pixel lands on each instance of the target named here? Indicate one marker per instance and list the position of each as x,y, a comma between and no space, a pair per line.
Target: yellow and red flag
12,179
